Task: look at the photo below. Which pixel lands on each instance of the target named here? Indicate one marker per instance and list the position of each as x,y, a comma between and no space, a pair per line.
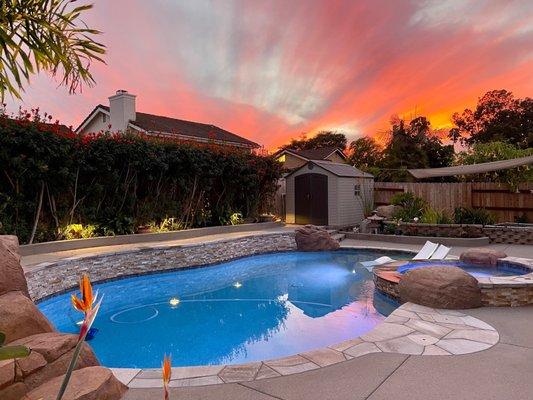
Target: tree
454,135
45,35
321,140
496,151
365,153
414,145
498,116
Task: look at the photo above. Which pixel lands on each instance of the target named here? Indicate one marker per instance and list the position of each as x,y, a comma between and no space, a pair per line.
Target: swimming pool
254,308
478,271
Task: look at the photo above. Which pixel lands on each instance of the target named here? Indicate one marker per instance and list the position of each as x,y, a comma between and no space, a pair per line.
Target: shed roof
313,154
338,169
472,168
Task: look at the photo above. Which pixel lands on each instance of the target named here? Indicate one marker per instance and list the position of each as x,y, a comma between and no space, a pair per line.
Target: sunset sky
270,70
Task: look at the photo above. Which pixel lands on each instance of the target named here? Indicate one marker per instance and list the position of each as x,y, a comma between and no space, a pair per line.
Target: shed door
311,199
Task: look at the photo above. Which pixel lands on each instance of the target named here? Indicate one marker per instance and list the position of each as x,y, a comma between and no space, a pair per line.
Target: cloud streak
271,70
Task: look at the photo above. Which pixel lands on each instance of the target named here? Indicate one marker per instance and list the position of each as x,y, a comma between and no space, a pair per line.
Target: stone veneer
499,291
495,233
47,279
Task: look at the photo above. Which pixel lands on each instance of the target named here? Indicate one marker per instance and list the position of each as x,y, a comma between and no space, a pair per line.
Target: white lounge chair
440,253
425,253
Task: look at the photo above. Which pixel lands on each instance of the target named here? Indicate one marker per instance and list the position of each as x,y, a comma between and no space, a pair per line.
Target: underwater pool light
174,301
237,285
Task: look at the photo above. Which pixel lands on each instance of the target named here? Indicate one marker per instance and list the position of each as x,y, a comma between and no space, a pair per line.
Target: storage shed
325,193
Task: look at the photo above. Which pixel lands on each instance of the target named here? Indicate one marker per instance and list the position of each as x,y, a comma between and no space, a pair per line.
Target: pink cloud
271,70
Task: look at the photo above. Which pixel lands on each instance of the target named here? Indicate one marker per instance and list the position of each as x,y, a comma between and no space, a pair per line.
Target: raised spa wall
47,279
495,291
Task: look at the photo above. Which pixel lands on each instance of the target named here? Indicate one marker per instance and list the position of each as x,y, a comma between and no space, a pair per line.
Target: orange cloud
272,70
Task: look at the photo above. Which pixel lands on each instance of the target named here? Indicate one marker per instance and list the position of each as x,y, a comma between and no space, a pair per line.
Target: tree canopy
45,35
498,116
412,144
365,153
321,140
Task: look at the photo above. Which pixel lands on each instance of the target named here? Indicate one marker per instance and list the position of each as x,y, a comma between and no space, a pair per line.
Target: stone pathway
410,329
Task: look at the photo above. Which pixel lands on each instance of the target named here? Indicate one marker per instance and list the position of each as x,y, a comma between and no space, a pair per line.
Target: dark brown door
311,199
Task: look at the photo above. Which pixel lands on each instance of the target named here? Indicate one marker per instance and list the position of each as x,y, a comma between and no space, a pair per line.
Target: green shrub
78,231
411,206
468,215
117,182
432,216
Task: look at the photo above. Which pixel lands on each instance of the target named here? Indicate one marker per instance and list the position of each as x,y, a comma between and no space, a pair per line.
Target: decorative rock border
495,291
48,279
410,329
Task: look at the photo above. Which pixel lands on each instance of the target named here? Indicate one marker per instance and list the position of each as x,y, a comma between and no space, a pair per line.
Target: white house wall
97,124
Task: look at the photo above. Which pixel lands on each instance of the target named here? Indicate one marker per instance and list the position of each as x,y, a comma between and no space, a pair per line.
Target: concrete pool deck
499,373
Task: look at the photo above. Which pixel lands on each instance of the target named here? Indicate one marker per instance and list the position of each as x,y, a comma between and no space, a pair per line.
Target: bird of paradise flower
167,373
84,304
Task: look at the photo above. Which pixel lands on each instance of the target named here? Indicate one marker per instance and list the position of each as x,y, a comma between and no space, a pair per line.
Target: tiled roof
313,154
157,123
316,154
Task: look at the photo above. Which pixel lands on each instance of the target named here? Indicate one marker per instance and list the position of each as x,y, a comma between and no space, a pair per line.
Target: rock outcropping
11,276
482,256
314,238
440,287
40,374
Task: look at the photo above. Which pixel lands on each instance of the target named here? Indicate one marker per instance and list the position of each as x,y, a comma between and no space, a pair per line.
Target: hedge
113,183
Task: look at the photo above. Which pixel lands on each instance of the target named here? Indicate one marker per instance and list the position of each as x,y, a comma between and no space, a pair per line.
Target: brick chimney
122,110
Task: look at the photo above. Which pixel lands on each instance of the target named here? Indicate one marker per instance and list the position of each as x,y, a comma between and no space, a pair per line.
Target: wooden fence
504,204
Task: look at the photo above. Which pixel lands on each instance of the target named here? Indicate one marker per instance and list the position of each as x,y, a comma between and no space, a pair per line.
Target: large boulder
51,354
11,273
19,317
482,256
386,212
314,238
440,287
92,383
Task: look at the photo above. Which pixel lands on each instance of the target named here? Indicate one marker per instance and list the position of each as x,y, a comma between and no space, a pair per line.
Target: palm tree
45,35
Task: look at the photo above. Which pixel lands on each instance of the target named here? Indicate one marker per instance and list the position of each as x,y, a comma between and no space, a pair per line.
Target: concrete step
332,231
339,237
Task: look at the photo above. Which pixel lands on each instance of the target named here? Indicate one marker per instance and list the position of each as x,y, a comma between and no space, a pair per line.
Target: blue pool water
254,308
474,270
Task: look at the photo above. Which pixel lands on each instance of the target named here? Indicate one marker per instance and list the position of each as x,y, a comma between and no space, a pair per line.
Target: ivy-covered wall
112,183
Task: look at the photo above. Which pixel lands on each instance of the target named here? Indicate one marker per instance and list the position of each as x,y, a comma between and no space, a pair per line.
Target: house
121,116
291,158
328,194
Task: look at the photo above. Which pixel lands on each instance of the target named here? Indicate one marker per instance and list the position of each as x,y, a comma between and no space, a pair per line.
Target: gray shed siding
344,208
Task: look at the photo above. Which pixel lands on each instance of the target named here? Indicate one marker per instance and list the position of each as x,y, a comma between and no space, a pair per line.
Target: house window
104,118
357,190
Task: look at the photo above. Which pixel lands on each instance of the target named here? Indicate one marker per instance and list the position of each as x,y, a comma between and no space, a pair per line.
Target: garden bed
495,233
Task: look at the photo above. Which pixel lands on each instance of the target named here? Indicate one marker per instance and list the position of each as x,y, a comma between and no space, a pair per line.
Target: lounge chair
441,253
425,253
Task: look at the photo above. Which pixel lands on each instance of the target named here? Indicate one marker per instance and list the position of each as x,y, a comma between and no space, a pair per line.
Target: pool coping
410,329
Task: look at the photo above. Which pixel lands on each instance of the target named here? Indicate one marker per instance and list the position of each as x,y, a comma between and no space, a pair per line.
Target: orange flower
167,372
85,304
